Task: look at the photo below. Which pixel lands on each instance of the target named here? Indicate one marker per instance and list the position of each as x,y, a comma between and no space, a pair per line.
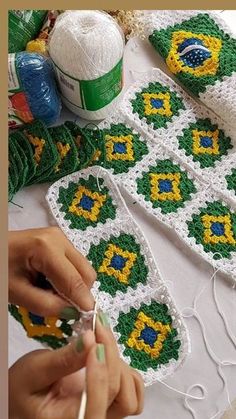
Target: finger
36,300
64,277
97,383
104,335
139,387
82,265
50,366
126,403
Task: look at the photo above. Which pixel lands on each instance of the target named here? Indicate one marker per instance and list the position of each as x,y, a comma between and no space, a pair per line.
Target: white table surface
187,274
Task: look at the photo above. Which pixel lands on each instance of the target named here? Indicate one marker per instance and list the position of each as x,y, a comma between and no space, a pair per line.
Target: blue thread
157,103
118,262
36,319
197,56
206,142
37,80
165,185
120,148
86,203
218,229
149,335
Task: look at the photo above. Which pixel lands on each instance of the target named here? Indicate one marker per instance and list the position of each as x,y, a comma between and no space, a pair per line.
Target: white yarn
85,44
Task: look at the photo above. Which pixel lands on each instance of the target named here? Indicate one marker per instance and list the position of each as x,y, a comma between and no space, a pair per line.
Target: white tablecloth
187,274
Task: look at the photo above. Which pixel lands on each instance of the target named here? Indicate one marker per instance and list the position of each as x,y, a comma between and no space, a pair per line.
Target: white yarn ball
86,45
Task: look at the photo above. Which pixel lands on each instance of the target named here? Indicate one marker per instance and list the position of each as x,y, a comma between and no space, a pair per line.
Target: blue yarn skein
37,80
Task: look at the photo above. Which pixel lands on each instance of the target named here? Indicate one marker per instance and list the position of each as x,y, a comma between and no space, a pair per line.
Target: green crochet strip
18,157
197,229
49,157
66,196
68,164
27,149
231,180
204,159
158,121
109,283
85,148
200,24
139,358
96,139
52,341
186,186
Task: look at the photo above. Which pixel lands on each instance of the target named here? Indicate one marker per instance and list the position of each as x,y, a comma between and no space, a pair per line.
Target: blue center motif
149,336
36,319
196,56
118,262
206,142
218,229
157,103
86,203
165,185
120,148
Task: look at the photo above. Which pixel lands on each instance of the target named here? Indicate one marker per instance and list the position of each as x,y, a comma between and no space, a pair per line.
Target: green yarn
139,359
159,121
67,164
85,147
197,230
106,211
185,185
231,180
200,24
205,160
109,283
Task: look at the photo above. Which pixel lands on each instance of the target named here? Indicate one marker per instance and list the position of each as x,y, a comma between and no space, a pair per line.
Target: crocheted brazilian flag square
197,51
147,336
123,148
214,227
157,104
118,263
205,142
166,186
84,204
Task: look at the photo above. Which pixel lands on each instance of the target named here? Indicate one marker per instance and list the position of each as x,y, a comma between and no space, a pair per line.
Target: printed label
91,94
13,81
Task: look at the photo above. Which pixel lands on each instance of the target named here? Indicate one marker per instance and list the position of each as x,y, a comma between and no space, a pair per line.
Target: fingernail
100,351
79,344
104,319
70,313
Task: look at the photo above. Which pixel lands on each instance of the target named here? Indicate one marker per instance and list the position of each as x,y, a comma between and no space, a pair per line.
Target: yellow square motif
123,274
157,194
140,324
198,148
110,142
38,144
210,237
50,328
98,199
165,110
209,67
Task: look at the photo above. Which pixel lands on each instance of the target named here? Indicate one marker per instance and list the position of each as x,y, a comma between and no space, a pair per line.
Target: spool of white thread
86,47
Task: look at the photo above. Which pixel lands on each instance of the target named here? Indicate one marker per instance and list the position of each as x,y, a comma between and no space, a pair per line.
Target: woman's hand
48,384
47,251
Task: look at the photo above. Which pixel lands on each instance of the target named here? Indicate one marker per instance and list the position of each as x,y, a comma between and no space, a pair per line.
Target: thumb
45,367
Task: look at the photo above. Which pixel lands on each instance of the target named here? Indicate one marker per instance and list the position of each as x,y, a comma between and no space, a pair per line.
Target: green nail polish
100,351
80,344
70,313
104,319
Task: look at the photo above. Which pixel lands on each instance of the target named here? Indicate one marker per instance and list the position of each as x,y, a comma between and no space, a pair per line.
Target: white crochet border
155,287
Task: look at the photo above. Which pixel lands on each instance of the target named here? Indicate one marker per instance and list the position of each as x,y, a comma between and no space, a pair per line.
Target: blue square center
149,336
218,229
36,319
86,203
118,262
165,185
119,148
157,103
206,142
